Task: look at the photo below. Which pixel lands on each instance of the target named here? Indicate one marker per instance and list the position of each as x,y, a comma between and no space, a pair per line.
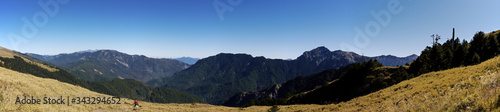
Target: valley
464,88
249,56
216,78
317,80
343,83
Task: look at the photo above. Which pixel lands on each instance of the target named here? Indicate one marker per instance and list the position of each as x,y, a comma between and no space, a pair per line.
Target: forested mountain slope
218,77
105,65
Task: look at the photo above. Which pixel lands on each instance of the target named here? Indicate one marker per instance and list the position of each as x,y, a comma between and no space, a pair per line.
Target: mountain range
343,80
187,60
285,89
105,65
470,88
218,77
214,79
467,88
438,80
360,79
126,88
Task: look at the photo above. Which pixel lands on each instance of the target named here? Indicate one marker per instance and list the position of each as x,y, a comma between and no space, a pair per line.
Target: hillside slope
471,88
14,84
7,53
358,80
118,87
290,87
330,86
218,77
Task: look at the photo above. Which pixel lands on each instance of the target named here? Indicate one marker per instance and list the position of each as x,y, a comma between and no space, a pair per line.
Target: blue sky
271,28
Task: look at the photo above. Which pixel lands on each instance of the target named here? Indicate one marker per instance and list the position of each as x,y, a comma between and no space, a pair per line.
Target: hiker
136,103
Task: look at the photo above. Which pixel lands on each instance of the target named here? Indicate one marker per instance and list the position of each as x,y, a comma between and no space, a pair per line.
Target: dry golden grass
472,88
14,84
494,33
7,53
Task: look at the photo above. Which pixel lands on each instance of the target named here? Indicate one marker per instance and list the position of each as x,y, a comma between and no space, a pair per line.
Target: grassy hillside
118,87
7,53
14,84
472,88
361,79
493,34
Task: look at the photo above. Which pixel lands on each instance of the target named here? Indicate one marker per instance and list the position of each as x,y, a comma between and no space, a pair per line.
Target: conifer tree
492,47
475,59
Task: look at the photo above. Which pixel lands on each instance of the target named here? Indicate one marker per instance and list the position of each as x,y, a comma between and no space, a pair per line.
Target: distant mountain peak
107,51
88,51
319,52
321,49
387,56
233,55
